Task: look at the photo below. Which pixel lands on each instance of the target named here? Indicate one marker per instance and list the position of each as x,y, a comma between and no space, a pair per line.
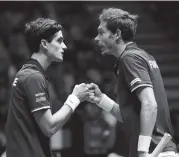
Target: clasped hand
89,92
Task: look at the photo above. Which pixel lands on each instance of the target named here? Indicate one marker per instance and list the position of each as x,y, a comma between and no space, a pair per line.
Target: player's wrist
144,143
106,103
100,98
143,154
72,101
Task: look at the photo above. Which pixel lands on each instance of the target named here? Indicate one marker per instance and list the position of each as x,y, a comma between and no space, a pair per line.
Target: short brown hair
41,28
122,20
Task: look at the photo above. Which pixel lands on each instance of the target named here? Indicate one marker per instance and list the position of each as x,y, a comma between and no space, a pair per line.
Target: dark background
91,133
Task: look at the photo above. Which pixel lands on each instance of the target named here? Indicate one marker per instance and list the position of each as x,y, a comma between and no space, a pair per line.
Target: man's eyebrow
60,38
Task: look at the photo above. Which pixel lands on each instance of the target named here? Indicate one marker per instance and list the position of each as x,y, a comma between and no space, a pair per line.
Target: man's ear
118,34
44,43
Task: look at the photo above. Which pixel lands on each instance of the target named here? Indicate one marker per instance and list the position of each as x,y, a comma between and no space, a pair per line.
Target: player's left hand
95,94
143,154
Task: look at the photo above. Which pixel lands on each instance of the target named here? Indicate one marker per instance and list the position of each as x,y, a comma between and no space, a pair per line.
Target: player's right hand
81,91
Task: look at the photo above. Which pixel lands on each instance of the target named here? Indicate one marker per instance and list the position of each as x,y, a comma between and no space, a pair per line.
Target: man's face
56,47
105,39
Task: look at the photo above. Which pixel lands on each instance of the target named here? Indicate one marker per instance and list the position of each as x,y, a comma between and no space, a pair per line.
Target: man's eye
100,33
59,41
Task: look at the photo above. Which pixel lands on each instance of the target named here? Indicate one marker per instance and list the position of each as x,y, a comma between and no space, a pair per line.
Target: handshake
89,92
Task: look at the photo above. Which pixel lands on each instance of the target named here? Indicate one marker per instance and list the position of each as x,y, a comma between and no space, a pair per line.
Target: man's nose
64,46
96,39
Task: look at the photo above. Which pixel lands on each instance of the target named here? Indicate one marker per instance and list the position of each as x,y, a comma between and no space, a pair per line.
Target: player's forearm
148,116
110,106
62,116
59,119
116,112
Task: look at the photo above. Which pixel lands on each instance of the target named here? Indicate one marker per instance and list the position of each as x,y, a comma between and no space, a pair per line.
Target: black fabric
24,137
137,69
